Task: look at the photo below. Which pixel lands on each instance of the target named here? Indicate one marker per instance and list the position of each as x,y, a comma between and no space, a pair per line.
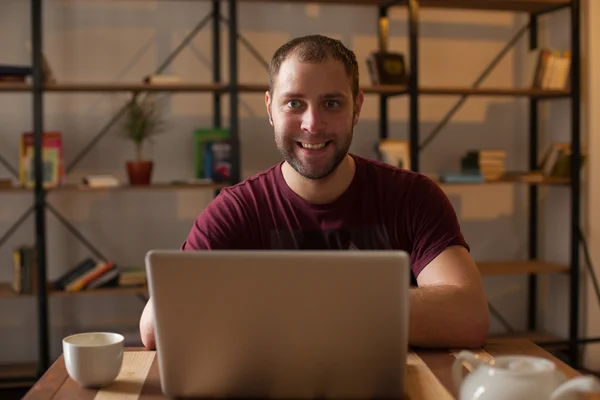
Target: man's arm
219,226
449,308
147,326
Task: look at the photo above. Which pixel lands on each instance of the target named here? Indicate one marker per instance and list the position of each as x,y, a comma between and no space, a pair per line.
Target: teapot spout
575,386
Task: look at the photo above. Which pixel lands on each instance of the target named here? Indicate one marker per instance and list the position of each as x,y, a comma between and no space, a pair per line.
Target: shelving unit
531,267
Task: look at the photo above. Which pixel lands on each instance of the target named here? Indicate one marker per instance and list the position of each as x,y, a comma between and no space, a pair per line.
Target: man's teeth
313,146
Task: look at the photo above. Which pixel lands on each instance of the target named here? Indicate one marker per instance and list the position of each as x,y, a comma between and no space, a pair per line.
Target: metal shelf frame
413,90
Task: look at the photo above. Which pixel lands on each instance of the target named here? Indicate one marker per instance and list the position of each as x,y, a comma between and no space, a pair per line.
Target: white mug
93,359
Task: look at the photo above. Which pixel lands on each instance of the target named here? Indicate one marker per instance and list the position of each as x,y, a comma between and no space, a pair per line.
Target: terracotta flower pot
140,172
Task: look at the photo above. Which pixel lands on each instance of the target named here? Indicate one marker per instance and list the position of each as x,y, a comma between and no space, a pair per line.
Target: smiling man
323,197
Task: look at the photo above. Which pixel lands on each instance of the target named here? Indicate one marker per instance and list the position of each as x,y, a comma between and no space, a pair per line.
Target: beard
288,148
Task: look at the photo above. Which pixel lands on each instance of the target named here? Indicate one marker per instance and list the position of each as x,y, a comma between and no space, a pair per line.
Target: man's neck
323,190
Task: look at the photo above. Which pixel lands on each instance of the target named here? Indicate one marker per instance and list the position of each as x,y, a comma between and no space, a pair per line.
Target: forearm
147,326
447,316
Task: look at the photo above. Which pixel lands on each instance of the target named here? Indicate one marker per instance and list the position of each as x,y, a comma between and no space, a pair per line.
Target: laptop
280,324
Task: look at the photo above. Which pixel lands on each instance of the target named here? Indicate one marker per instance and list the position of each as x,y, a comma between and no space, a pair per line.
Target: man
322,197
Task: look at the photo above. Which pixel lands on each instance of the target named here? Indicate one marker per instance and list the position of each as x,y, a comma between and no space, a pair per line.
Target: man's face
313,115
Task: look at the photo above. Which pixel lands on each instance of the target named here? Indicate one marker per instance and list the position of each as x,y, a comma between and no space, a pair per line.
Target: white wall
100,41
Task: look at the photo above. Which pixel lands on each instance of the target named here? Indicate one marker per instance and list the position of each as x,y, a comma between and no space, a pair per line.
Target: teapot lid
523,364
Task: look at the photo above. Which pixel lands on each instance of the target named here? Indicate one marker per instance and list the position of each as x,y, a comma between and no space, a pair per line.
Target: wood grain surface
428,375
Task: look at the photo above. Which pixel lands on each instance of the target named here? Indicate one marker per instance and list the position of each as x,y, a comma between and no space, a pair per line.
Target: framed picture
395,152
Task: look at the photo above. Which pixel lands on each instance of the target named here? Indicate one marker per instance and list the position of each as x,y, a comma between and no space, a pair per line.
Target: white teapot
516,377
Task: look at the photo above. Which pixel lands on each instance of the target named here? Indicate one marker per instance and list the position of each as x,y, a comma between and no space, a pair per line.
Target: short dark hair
315,48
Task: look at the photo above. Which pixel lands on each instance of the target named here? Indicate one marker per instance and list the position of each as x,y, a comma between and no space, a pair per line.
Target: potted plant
142,121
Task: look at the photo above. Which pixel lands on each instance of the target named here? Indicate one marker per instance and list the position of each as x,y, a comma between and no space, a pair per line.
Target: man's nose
313,121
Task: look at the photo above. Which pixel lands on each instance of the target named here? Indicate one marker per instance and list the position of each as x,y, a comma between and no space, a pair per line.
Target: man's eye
331,103
294,103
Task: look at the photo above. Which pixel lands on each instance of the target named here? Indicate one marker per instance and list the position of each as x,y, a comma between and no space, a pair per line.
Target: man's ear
268,105
360,98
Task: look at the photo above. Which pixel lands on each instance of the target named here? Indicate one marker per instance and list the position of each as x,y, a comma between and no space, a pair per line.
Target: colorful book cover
53,170
217,159
201,137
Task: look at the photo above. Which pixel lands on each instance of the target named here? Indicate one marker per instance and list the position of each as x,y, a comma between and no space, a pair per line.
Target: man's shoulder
379,171
260,183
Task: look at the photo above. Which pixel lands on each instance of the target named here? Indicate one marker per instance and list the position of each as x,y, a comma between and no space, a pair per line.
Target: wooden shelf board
133,86
498,5
520,267
512,180
17,370
510,92
19,374
261,88
103,291
154,186
537,337
6,291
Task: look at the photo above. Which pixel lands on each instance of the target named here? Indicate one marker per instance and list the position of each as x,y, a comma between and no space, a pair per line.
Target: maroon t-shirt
383,208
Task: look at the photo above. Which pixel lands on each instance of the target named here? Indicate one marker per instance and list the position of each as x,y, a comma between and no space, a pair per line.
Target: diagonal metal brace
16,225
105,129
500,318
75,232
184,42
480,79
97,138
248,45
9,167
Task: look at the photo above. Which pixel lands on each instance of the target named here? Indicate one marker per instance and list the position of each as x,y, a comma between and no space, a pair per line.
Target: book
53,170
201,137
387,68
74,273
218,160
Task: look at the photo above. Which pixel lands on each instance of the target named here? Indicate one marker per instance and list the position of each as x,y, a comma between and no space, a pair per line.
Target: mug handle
464,357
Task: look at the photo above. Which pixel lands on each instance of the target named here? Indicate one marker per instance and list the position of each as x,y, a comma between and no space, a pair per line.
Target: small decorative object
142,121
394,152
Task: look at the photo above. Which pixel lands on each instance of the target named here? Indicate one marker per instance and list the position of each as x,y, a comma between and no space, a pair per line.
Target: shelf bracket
476,84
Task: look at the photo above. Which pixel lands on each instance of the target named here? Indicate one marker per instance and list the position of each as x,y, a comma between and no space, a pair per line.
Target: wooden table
429,374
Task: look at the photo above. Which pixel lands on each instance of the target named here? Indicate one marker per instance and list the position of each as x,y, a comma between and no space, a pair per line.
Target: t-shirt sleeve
434,223
218,226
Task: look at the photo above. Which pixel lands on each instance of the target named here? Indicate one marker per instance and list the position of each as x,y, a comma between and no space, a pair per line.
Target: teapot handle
465,356
581,384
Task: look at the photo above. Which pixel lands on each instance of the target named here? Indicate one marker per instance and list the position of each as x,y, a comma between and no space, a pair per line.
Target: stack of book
15,73
478,166
93,274
491,164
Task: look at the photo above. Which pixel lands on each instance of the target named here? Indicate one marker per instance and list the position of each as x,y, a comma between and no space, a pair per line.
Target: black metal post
533,189
575,184
413,86
216,44
383,98
39,192
233,101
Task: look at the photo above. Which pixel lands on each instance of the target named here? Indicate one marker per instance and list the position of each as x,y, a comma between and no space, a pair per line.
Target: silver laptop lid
284,324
